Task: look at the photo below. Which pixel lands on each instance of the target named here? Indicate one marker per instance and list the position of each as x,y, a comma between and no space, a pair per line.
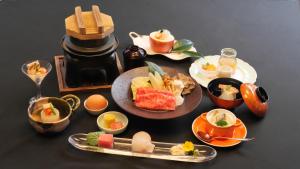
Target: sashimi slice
106,141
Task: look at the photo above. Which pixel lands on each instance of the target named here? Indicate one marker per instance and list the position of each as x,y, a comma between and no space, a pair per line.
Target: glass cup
228,58
37,74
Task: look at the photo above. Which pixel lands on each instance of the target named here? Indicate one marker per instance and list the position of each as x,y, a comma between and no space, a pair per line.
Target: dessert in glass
161,41
36,70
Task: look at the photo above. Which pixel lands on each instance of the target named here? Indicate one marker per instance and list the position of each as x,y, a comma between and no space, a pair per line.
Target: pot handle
134,35
72,100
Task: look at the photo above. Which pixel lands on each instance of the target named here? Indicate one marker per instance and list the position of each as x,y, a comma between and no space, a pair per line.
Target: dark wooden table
266,34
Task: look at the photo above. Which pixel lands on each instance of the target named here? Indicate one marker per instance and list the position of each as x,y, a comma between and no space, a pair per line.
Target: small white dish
244,72
95,112
143,41
119,117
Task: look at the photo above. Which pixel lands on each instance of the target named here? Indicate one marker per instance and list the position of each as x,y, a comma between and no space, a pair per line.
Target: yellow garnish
188,146
209,67
108,119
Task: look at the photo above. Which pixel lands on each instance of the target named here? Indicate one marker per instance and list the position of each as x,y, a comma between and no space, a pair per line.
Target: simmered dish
49,113
228,92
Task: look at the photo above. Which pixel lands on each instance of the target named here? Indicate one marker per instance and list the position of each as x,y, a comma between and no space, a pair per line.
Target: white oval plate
142,41
244,72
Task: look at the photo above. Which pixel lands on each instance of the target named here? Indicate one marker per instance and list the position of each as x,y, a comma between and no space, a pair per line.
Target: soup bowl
66,105
214,92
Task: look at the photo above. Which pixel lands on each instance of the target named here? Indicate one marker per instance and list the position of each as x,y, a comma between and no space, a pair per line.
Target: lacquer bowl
214,92
66,105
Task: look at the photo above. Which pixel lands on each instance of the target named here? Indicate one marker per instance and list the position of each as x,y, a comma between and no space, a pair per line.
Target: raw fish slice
141,142
106,141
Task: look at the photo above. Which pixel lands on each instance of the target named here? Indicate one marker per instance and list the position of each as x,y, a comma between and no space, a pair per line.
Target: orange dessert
96,102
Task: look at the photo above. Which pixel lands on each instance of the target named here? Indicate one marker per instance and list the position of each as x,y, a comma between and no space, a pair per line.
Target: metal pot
66,105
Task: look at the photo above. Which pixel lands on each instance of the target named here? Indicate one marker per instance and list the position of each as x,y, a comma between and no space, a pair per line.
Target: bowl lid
256,98
89,25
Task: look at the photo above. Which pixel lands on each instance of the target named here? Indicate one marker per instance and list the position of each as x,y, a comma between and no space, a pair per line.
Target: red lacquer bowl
214,92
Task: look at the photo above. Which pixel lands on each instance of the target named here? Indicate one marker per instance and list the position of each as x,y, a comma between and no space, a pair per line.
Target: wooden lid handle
97,16
80,24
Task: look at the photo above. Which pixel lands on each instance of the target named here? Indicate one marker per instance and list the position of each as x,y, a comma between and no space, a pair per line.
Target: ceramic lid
256,98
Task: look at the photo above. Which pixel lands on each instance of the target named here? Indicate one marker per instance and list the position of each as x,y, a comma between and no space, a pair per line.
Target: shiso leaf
92,138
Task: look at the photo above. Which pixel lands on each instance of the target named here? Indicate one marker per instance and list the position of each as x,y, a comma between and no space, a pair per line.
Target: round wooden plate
121,94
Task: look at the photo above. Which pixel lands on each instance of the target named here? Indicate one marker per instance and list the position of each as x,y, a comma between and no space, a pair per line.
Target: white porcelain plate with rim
244,72
142,41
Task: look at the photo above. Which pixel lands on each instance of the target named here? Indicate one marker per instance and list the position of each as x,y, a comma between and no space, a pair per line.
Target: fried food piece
188,82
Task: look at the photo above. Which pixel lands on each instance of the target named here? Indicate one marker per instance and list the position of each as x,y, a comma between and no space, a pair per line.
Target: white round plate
142,41
244,72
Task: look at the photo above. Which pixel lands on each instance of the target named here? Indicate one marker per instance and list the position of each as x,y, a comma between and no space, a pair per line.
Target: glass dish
122,146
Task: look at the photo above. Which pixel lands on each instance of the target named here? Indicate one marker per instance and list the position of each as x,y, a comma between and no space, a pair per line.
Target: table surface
264,32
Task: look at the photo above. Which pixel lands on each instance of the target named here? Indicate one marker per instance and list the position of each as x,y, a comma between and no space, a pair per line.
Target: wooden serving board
62,85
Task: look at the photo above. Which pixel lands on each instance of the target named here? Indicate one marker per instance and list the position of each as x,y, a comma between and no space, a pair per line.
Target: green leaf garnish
221,123
154,68
192,53
182,45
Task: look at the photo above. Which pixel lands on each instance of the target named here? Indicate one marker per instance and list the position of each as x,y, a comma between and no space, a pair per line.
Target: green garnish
52,109
154,68
221,123
161,31
184,46
196,153
92,138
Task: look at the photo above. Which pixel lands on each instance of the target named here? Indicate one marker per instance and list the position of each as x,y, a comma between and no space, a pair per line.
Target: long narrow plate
142,41
122,146
244,72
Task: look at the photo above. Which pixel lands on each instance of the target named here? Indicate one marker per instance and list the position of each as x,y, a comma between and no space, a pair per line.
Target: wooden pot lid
89,25
256,98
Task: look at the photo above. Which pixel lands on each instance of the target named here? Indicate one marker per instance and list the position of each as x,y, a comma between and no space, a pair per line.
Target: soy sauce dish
214,92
